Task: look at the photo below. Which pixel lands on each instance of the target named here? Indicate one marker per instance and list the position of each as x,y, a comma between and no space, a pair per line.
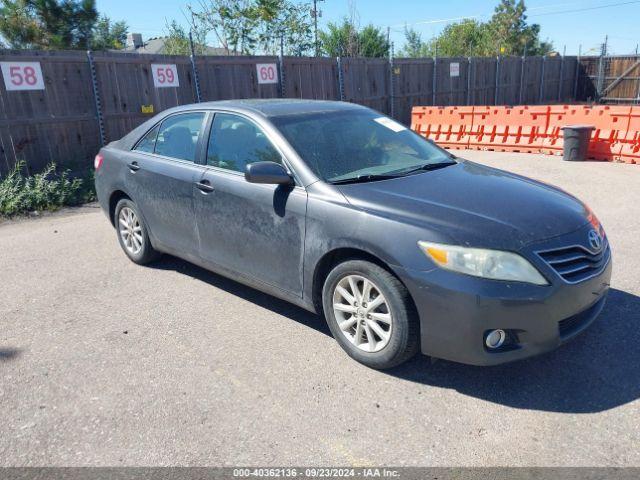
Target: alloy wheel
362,313
130,230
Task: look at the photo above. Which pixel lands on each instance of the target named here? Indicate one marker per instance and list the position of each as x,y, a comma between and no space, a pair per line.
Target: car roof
275,107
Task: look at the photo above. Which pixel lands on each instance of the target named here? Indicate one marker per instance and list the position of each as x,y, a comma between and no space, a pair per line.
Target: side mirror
267,172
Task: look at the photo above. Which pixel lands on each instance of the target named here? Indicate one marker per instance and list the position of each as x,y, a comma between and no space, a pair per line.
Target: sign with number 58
164,75
22,75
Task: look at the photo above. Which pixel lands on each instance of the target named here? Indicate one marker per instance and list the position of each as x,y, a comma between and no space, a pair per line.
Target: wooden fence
91,98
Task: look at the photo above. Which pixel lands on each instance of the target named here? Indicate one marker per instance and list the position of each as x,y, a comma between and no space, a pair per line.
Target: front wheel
370,314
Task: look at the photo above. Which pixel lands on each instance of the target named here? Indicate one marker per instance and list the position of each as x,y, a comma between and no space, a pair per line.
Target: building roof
156,46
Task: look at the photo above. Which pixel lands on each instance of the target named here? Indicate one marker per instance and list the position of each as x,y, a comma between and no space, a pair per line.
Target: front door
251,229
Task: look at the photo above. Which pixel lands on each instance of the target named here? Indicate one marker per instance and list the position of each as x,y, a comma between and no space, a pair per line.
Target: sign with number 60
267,73
22,75
164,75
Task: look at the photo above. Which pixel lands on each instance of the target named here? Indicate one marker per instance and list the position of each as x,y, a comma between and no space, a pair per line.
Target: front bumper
457,310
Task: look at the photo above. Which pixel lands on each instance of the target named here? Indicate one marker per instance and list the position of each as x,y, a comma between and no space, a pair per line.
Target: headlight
493,264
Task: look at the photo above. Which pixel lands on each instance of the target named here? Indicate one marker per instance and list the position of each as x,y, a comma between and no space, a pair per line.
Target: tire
386,346
139,250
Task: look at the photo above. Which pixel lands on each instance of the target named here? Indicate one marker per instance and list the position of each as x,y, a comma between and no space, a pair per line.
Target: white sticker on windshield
390,124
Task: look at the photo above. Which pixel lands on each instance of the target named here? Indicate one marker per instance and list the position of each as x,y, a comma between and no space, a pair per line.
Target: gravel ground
103,362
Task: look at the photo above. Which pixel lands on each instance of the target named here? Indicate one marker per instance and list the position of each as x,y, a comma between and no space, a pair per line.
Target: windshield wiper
427,167
363,179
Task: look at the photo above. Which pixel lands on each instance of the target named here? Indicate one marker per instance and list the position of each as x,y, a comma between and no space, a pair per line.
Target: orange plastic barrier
538,128
630,140
447,126
609,121
509,129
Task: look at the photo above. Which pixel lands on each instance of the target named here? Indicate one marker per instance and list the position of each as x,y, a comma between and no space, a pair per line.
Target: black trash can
576,142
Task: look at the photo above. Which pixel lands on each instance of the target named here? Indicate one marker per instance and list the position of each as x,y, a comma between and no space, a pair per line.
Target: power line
448,20
598,7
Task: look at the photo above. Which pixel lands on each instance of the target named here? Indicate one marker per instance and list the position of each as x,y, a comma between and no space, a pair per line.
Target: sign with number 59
267,73
22,75
164,75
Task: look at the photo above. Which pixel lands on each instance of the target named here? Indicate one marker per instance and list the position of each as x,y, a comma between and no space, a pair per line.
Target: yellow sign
396,70
147,108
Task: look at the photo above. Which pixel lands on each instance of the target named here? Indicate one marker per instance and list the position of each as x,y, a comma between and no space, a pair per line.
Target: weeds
48,190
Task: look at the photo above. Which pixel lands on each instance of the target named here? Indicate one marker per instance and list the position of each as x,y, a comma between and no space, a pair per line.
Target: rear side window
148,142
235,142
177,136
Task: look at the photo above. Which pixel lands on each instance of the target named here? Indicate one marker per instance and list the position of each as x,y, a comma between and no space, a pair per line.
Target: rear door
255,230
163,172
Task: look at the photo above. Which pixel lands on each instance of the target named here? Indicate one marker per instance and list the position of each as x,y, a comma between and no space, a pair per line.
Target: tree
414,47
373,42
466,38
248,26
510,32
109,35
233,22
177,40
339,40
47,24
506,33
288,22
345,40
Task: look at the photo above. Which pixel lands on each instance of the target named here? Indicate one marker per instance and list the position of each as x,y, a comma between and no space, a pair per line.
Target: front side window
178,136
236,142
355,144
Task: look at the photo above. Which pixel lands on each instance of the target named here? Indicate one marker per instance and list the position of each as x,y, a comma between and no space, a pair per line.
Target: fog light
495,338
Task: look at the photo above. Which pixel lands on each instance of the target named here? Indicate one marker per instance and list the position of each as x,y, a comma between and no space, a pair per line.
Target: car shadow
599,370
264,300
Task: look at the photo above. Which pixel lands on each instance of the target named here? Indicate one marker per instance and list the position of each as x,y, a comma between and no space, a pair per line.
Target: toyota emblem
595,240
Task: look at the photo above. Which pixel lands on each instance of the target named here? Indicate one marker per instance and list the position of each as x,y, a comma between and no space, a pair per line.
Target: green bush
48,190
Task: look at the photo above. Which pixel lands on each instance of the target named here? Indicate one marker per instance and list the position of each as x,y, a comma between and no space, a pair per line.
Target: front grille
576,264
574,324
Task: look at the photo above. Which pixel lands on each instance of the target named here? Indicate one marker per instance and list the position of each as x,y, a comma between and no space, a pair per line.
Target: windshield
357,144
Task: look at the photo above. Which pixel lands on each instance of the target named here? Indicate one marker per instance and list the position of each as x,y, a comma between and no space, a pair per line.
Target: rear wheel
370,314
132,233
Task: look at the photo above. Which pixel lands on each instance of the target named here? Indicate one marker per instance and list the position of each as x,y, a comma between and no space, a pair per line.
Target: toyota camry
401,246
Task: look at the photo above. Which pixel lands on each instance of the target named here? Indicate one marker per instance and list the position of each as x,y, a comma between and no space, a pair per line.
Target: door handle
134,167
204,186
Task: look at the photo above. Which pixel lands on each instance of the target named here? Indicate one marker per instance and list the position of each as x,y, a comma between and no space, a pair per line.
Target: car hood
473,205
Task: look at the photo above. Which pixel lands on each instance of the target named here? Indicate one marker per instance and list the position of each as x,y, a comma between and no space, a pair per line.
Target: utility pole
315,13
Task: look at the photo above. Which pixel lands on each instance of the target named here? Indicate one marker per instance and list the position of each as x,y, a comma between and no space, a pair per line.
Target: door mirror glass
267,172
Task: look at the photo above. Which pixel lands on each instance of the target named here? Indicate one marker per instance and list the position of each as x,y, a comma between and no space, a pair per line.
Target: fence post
495,95
469,81
391,84
522,64
577,75
96,98
281,66
541,93
433,96
564,54
194,69
340,79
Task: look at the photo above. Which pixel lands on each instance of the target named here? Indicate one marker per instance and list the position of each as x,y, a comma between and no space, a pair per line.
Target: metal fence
611,79
93,98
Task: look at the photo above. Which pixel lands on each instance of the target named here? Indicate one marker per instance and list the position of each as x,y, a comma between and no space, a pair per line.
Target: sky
571,24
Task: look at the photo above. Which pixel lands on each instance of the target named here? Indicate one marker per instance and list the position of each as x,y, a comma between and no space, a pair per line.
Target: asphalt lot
103,362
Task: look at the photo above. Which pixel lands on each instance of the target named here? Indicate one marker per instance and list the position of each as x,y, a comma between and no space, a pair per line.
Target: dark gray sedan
343,211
